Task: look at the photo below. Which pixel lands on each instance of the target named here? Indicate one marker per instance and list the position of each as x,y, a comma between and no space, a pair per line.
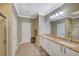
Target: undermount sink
69,44
72,45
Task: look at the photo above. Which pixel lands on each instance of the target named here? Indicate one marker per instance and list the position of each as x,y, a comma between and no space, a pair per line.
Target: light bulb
61,12
53,16
57,14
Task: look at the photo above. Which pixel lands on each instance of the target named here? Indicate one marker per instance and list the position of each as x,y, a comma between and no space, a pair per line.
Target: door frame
4,32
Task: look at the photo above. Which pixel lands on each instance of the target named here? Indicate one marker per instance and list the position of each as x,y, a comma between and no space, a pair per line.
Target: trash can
33,39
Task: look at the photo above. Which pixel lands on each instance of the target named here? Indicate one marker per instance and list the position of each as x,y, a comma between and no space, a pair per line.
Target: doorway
35,30
26,32
2,36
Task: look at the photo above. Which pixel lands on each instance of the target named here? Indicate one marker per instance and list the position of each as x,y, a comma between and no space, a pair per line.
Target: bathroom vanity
57,46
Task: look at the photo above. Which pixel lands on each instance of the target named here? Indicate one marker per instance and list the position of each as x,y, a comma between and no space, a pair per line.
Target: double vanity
57,46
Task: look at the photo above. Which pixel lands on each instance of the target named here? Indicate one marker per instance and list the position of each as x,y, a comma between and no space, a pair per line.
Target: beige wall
2,36
19,29
35,29
6,10
33,24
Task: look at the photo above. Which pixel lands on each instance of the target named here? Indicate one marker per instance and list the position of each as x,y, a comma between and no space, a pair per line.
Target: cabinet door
44,44
69,52
52,48
55,49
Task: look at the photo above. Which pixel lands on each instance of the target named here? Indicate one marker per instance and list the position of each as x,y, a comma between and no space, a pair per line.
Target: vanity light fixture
57,14
51,17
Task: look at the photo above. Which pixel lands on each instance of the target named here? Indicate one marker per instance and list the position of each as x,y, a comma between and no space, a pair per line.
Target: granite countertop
62,41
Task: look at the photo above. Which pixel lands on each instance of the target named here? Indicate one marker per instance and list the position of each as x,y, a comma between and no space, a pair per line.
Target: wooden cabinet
55,49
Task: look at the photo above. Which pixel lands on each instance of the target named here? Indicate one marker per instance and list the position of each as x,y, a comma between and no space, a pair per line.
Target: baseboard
16,50
44,50
20,43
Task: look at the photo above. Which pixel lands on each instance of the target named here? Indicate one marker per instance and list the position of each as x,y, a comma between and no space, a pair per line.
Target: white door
61,29
26,32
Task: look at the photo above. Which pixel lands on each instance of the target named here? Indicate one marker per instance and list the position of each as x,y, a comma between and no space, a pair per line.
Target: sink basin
72,45
69,44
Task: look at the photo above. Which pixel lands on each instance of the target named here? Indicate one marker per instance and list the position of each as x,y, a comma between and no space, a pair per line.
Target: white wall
44,25
14,22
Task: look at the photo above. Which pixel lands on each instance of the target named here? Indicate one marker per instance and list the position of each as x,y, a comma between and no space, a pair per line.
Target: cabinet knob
64,50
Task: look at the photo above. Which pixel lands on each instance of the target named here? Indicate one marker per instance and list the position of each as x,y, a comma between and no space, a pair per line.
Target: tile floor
30,49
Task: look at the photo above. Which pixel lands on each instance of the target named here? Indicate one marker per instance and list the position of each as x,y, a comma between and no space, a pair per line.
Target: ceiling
33,9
